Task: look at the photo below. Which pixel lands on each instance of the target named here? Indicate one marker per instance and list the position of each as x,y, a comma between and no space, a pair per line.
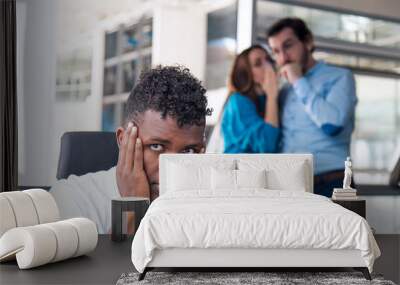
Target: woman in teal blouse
250,120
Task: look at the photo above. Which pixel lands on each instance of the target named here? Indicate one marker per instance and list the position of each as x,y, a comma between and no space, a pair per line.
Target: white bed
201,220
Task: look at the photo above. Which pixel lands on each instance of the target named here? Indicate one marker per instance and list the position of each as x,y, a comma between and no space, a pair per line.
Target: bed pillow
294,180
281,174
188,176
222,179
251,178
183,178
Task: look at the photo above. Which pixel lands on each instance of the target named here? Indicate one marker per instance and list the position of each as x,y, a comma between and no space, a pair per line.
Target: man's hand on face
131,177
292,72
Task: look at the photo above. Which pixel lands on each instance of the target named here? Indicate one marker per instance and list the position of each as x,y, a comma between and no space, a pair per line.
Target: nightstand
357,206
138,205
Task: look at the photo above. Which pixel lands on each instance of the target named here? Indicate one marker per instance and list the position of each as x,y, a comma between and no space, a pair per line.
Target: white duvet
254,218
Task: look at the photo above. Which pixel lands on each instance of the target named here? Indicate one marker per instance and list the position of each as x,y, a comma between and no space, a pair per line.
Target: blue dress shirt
244,130
317,116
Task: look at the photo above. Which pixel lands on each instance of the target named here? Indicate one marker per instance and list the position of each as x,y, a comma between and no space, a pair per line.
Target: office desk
104,265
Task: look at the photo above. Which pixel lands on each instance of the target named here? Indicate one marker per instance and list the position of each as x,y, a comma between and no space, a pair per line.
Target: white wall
43,119
38,85
245,19
48,28
72,116
180,36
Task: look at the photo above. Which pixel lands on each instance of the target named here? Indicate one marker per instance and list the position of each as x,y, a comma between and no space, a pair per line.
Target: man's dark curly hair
297,25
172,91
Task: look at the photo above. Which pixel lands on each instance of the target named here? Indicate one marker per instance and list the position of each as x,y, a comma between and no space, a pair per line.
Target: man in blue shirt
317,103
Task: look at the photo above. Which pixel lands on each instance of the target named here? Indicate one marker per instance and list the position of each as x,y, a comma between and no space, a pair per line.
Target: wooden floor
389,262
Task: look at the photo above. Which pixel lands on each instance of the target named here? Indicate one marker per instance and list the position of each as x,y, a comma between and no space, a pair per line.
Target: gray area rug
226,278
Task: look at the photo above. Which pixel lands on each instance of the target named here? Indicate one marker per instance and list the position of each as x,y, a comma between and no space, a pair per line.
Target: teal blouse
244,130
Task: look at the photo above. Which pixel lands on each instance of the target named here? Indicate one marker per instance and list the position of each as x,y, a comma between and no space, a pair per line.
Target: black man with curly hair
165,113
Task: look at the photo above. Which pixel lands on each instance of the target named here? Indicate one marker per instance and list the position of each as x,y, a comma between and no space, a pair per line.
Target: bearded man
317,103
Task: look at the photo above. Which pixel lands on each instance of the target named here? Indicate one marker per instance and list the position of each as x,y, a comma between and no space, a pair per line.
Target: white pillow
293,180
223,179
251,179
237,179
183,178
185,175
282,174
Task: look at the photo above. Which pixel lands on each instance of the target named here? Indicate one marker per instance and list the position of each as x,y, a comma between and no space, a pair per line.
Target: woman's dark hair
298,26
241,77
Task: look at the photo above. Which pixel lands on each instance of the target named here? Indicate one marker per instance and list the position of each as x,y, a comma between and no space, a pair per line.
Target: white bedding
252,218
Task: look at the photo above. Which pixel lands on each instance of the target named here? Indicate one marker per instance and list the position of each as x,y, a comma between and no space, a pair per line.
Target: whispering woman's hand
270,87
270,82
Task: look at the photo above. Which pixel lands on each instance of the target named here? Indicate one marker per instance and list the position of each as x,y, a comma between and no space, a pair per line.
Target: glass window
110,80
137,36
146,63
130,39
122,70
113,115
372,41
371,48
108,118
221,45
327,24
377,131
111,44
367,63
147,34
130,75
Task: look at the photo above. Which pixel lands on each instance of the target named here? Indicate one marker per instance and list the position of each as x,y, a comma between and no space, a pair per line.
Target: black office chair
85,152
